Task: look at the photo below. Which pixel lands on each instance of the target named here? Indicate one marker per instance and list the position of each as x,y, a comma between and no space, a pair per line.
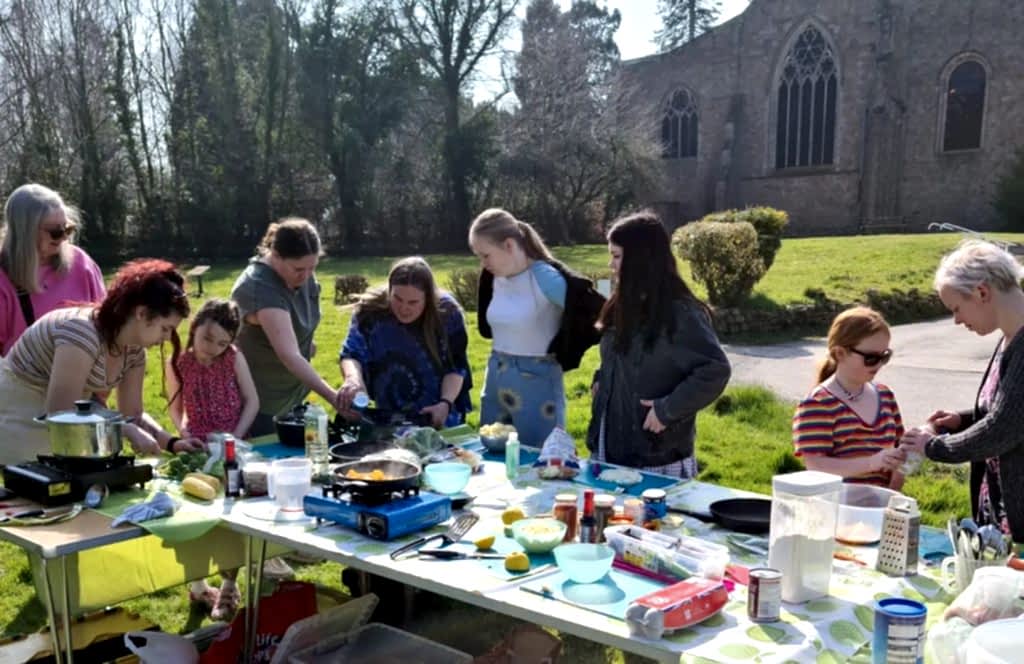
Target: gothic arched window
965,107
679,126
808,85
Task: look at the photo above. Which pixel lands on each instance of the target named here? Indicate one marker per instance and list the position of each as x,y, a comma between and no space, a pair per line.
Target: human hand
347,392
944,419
914,440
438,413
190,444
651,422
889,459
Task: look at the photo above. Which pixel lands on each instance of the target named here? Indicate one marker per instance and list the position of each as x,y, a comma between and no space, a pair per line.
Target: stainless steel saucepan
88,430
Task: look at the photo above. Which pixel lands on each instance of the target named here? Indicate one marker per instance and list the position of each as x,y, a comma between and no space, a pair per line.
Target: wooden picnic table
197,273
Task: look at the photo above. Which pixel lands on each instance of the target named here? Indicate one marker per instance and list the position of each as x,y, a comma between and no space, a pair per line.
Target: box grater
901,530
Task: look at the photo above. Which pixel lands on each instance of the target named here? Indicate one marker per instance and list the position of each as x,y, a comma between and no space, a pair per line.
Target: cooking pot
88,430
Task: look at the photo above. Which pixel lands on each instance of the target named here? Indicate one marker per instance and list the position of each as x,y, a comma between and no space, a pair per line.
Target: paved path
935,365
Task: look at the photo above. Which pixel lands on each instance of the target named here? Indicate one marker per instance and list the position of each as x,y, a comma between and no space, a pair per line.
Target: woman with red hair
74,353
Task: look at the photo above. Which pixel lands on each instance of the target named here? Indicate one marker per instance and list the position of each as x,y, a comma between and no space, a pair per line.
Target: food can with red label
764,595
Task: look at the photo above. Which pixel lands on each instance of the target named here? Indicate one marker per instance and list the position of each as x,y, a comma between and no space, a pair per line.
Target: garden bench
197,273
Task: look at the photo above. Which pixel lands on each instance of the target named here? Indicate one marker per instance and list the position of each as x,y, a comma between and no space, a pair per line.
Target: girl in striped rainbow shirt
849,425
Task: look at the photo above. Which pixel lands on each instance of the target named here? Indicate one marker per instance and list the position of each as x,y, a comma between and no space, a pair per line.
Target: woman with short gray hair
979,283
40,269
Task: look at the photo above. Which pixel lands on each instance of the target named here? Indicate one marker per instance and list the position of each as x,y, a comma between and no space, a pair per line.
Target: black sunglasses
874,359
60,233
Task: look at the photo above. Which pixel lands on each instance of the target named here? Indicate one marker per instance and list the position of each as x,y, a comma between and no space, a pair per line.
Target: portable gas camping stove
383,516
56,480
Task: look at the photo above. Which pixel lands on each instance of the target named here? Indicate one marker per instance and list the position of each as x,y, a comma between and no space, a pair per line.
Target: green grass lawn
742,441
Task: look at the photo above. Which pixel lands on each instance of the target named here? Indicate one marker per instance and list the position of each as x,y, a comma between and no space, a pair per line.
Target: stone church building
852,115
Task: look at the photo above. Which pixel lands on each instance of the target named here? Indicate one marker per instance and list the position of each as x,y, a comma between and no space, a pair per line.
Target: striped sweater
824,425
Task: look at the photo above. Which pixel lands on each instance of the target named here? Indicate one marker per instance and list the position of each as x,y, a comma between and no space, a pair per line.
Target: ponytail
826,368
497,225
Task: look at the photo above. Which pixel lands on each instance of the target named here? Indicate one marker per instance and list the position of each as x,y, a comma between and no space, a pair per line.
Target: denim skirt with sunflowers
527,392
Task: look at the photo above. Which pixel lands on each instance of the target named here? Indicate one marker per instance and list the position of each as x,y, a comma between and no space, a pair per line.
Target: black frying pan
744,515
346,452
400,475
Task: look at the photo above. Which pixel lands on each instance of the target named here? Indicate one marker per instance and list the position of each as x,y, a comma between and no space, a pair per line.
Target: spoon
95,495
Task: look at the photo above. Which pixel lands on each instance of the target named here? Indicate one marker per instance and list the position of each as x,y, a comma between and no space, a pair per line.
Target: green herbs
176,466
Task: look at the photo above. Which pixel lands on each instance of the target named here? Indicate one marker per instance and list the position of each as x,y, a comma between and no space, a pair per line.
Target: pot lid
84,412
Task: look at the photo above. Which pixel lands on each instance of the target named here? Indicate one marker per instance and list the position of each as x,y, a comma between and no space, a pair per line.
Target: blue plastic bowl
449,477
584,563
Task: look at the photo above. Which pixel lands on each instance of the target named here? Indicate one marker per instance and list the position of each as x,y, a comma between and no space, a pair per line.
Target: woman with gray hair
40,269
980,284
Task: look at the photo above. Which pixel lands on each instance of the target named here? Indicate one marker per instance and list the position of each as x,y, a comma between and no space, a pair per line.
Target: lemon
511,515
484,543
517,562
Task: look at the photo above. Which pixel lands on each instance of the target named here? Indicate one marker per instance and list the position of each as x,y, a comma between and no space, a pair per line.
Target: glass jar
567,512
604,510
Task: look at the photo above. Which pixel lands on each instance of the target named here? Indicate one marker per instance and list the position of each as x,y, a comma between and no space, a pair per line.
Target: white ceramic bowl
861,512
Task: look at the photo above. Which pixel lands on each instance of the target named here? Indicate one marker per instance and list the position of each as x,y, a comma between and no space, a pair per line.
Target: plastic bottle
512,456
316,439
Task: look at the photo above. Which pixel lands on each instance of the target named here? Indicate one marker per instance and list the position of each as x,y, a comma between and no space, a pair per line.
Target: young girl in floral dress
211,390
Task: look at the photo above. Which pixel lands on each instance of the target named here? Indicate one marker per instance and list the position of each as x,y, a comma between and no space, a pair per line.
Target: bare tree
450,37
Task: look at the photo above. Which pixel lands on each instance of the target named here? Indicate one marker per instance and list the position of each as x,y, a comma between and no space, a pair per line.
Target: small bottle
316,439
232,472
361,400
512,456
588,524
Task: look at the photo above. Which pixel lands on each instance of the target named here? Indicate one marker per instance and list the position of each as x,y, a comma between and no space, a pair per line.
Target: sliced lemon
511,515
484,543
517,562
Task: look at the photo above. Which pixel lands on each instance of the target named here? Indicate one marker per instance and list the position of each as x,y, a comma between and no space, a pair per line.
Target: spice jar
634,509
604,510
565,510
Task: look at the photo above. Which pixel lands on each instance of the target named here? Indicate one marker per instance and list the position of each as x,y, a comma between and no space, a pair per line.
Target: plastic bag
558,459
947,641
992,595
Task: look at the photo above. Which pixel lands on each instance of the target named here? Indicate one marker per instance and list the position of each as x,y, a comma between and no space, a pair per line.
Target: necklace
850,396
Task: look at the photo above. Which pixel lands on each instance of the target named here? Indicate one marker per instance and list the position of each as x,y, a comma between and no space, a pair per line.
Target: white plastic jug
160,648
288,481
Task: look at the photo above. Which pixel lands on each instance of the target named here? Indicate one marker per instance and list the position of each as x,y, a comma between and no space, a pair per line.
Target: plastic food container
379,643
677,556
803,530
861,513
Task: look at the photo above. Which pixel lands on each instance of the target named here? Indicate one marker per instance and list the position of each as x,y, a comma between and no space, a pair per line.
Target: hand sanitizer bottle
512,456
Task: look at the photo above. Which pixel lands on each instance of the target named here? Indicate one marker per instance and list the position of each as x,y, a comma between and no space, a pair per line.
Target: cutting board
610,596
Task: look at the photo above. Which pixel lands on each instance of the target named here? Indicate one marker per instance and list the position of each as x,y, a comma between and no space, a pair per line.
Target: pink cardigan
83,282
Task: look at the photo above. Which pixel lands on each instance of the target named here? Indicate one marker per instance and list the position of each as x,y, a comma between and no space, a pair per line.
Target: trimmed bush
347,286
462,285
723,257
768,222
1009,200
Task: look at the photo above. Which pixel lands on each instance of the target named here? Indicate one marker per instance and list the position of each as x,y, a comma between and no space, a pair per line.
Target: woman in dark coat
660,358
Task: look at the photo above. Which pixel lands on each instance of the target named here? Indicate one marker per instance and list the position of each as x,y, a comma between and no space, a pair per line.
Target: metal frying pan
744,515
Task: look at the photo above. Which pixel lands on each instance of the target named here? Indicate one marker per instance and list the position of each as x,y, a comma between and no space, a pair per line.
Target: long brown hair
220,311
412,271
648,283
497,225
848,329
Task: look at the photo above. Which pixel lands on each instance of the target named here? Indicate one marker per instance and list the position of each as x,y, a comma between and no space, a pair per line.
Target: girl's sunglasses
60,233
874,359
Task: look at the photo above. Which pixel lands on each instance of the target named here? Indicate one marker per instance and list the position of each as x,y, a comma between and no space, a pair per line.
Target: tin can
655,508
634,509
899,631
764,595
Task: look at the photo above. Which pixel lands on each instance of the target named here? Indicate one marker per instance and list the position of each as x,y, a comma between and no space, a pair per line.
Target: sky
640,21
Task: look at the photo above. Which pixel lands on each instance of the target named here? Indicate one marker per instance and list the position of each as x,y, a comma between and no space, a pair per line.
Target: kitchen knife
451,554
